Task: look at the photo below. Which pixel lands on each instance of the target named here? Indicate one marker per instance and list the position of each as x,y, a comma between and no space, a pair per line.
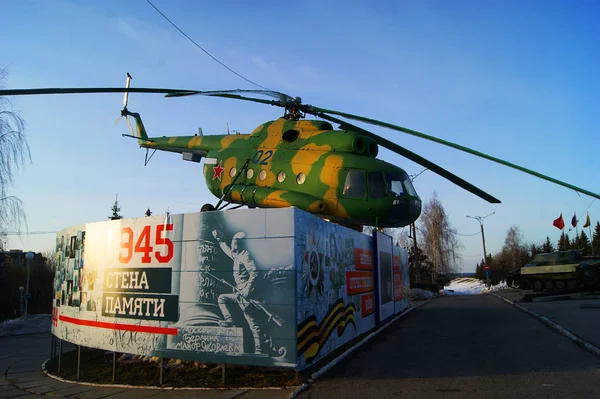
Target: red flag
559,223
574,220
587,221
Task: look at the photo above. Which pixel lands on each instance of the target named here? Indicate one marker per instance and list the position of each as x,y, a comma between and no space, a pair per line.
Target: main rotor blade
283,98
415,158
314,110
270,93
90,90
233,96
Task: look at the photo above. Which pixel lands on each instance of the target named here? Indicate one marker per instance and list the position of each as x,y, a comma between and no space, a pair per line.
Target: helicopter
331,172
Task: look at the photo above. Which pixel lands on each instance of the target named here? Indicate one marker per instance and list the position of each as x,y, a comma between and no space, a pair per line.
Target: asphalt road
464,347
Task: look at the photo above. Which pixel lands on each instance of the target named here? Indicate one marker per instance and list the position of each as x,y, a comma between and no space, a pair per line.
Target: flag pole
576,230
589,225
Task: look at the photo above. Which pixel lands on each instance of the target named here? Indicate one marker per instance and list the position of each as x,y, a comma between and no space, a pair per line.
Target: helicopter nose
406,210
414,208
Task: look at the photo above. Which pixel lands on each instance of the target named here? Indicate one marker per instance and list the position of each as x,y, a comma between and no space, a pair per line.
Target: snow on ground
35,323
469,286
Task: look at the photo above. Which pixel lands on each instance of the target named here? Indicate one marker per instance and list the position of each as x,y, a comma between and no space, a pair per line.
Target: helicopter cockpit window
377,188
395,187
354,186
290,135
409,187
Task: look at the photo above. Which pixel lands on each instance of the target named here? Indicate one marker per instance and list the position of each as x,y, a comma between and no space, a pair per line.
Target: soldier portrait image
233,288
244,275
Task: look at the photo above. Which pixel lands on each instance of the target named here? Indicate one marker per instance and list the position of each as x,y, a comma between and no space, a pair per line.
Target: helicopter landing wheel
207,208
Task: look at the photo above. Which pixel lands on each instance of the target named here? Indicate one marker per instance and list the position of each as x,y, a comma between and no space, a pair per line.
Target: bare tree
439,239
514,252
400,235
14,154
50,259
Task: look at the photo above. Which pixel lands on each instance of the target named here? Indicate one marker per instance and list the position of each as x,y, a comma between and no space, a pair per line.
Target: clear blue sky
518,80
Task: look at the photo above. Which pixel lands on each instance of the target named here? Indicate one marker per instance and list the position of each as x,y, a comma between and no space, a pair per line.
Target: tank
558,271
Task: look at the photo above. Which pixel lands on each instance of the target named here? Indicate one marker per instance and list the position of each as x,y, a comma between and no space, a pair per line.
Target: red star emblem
218,171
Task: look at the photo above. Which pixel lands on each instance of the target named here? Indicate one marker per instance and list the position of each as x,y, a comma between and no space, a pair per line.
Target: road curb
341,357
577,340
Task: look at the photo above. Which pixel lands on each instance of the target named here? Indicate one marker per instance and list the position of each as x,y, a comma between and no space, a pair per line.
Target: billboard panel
213,286
334,286
385,276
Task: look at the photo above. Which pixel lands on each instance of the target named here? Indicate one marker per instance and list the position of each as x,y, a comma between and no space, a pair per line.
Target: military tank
558,271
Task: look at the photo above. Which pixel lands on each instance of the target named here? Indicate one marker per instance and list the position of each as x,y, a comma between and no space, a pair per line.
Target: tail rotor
125,111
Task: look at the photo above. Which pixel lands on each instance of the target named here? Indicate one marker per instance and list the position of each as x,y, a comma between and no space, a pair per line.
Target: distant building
16,257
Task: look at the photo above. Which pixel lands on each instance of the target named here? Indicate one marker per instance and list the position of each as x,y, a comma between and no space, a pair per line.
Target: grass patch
96,367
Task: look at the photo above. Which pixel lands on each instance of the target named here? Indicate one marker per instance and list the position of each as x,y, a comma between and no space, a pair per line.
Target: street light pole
485,261
29,256
22,301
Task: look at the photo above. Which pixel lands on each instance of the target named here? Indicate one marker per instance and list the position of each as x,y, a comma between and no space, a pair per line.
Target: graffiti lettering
213,347
207,249
206,294
205,281
216,331
141,342
210,339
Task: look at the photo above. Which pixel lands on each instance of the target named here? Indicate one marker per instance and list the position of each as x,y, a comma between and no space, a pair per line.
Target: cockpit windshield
409,187
399,186
395,188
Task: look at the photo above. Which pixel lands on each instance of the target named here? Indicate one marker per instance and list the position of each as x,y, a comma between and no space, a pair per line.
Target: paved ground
464,347
580,315
20,363
453,347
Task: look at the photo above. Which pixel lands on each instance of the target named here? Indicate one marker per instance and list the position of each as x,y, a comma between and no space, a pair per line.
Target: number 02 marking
261,157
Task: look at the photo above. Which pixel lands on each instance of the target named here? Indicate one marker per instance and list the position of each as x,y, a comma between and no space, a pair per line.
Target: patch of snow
420,294
470,286
498,287
36,323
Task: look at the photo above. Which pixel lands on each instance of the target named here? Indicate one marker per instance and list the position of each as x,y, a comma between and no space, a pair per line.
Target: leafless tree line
14,154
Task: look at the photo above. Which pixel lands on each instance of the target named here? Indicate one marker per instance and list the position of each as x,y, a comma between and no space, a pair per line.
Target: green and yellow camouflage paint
301,163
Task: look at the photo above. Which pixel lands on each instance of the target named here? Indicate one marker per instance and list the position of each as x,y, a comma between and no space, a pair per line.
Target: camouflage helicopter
291,161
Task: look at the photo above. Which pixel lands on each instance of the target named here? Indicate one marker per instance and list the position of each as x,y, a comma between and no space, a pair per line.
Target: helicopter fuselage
306,164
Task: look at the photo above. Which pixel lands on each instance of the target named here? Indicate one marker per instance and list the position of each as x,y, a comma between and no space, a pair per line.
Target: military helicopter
291,161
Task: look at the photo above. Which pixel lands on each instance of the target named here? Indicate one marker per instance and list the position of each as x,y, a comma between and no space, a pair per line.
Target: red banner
359,282
119,326
363,259
367,304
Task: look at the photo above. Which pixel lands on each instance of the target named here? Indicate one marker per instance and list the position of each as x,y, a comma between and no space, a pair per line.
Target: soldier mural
233,290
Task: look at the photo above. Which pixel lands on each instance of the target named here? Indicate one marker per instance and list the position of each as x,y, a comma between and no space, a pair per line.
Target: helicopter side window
377,188
354,186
